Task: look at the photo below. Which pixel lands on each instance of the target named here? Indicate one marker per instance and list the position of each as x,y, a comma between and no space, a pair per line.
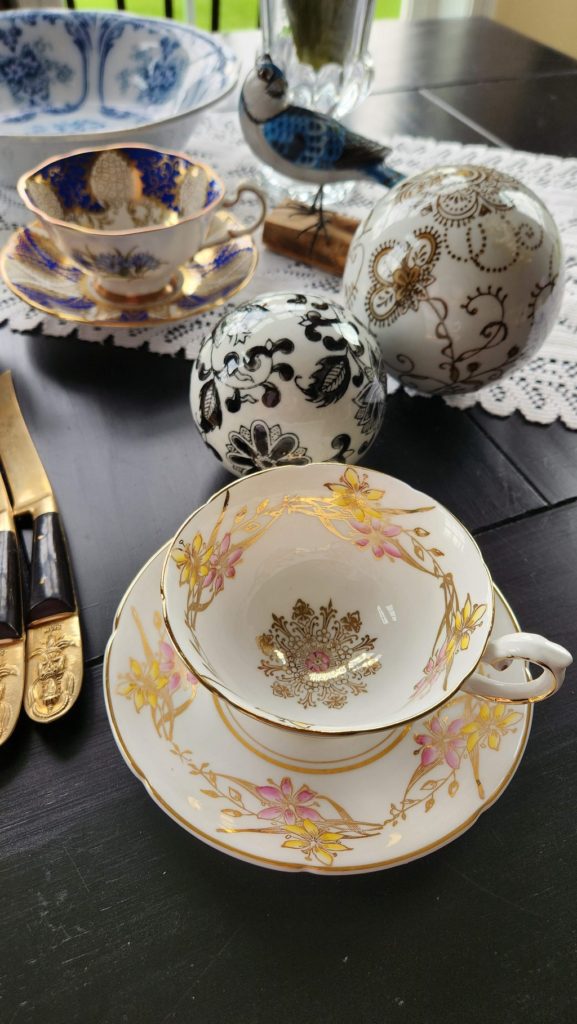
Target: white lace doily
543,391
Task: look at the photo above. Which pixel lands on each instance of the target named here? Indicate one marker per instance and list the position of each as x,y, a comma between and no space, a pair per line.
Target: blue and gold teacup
130,215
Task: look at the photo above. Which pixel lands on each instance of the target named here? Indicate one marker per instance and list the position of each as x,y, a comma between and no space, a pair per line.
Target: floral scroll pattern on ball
458,274
288,379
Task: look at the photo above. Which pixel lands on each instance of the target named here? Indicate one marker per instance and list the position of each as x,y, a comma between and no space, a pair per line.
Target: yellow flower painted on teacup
492,722
193,561
143,683
315,841
467,619
353,494
159,680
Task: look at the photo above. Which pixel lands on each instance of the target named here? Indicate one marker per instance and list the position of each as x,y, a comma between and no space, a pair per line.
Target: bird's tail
386,176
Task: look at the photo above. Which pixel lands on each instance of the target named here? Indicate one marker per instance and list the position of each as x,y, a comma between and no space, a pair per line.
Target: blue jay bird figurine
302,144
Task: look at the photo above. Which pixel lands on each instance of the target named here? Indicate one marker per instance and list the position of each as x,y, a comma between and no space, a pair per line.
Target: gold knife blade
53,645
30,487
12,638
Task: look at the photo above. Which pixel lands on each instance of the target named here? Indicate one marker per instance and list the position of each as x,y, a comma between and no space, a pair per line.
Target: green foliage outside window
234,14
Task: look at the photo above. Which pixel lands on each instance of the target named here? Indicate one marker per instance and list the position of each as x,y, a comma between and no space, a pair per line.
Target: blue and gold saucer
33,268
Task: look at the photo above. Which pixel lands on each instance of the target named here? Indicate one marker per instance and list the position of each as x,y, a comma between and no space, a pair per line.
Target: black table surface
110,912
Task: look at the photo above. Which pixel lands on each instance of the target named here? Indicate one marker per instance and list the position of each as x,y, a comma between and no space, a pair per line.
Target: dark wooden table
110,913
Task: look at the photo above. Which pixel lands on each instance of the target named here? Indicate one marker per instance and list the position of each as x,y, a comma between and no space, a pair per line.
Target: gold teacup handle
552,659
246,229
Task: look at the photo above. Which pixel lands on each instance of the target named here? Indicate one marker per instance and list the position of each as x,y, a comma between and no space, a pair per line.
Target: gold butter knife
12,640
53,675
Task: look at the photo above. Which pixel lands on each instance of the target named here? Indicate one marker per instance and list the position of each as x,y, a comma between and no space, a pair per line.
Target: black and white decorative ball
288,379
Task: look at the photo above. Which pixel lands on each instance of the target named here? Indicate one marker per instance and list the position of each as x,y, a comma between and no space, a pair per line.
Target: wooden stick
290,231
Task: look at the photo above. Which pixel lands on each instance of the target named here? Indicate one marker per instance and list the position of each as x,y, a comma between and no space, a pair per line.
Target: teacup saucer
324,804
34,269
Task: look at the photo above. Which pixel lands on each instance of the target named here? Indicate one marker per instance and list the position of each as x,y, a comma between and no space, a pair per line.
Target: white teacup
131,215
340,601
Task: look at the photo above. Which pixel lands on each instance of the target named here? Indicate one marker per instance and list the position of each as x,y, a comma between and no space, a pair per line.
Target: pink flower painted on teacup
286,805
442,742
433,669
377,536
222,564
465,621
169,667
317,661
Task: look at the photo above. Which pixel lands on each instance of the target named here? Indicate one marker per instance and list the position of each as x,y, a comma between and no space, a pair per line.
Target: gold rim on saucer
33,268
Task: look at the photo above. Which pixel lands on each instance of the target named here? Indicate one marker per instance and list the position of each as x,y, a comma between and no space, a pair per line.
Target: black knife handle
10,588
51,589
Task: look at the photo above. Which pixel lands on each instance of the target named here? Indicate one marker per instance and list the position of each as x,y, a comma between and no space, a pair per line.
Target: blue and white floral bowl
129,215
66,76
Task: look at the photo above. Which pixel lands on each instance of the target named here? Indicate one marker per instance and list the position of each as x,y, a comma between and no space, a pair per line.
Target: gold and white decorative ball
458,273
